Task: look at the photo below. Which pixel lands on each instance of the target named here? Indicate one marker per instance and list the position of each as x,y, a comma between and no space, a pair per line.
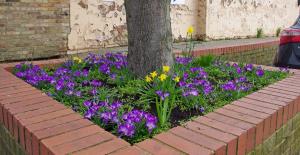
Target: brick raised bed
43,126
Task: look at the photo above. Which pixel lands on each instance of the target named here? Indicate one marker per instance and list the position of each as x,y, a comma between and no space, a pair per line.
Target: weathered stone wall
102,23
241,18
33,28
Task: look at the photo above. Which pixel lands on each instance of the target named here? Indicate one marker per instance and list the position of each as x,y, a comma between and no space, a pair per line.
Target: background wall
102,23
33,28
241,18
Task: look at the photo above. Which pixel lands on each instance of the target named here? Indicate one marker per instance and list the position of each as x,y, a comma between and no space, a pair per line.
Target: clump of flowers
101,88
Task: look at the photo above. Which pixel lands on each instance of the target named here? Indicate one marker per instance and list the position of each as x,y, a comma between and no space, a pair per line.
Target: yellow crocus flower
77,59
166,69
148,78
190,30
153,74
162,77
177,79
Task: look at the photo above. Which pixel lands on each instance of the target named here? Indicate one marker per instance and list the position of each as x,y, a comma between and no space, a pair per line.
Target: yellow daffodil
177,79
77,59
162,77
190,30
148,78
166,69
153,74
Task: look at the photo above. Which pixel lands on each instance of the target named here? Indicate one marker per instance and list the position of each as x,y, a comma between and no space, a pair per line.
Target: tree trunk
149,35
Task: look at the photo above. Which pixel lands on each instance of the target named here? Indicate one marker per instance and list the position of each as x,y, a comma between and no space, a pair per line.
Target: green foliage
259,33
203,61
191,89
278,30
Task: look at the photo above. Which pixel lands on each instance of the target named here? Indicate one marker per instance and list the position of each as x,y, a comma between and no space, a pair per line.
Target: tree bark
149,35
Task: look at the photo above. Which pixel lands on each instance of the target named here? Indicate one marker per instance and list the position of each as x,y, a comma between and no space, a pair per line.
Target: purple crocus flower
87,103
106,116
96,83
20,74
77,73
59,87
85,72
70,85
182,84
238,70
69,92
162,94
248,67
260,72
202,109
89,114
126,129
78,93
104,69
94,91
151,124
230,85
183,60
235,65
192,92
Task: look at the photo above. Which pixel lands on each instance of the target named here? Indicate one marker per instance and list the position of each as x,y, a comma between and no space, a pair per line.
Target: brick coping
229,49
44,126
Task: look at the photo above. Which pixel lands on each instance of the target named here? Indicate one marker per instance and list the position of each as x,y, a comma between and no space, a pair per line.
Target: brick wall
285,141
8,145
261,53
33,28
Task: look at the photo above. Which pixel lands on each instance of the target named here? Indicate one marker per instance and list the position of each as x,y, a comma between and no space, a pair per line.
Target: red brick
269,99
23,98
218,147
13,85
265,117
72,146
240,133
282,90
1,115
45,117
182,144
36,109
295,100
250,128
259,123
227,138
20,94
49,143
12,112
33,113
37,136
12,93
105,148
289,103
272,112
15,89
24,122
260,103
285,87
47,124
278,108
130,151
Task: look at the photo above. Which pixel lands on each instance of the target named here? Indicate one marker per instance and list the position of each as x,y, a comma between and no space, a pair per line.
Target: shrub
259,33
278,30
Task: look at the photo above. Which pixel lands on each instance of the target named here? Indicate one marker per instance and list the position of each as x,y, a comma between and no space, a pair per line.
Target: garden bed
196,93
